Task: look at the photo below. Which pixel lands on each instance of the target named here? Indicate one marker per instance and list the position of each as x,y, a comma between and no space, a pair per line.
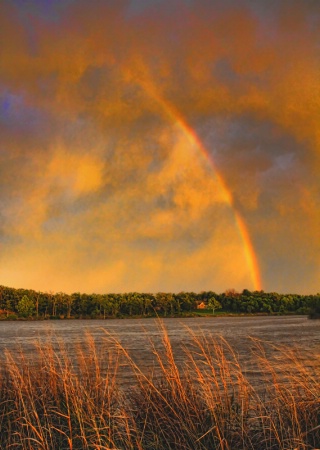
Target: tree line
48,305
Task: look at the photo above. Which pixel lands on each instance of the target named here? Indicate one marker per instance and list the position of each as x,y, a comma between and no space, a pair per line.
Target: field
206,383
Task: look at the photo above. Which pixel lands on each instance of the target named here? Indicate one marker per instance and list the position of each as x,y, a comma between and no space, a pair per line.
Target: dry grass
64,401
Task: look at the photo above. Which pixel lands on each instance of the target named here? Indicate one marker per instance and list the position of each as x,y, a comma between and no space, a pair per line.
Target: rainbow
194,140
250,255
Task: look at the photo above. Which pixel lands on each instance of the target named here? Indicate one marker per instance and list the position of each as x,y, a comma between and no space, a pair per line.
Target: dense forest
28,303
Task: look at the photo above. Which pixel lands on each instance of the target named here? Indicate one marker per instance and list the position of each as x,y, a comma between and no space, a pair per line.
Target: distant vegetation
27,303
315,308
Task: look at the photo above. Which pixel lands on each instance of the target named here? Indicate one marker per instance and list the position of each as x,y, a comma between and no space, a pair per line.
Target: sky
160,145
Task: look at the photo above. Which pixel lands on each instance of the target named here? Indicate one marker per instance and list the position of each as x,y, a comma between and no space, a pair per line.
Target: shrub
314,312
12,317
204,402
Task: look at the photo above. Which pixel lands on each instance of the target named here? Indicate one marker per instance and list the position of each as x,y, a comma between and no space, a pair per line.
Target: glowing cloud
160,145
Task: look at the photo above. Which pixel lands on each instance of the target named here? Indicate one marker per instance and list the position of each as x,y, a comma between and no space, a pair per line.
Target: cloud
99,177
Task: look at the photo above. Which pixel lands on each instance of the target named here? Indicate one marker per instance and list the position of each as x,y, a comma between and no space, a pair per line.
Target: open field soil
140,336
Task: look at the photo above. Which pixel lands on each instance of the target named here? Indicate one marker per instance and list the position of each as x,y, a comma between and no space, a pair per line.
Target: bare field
141,337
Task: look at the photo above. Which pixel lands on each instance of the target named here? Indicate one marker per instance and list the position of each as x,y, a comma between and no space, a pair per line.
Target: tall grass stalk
209,400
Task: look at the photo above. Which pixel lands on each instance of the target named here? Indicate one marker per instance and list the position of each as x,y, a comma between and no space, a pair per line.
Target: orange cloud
100,179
